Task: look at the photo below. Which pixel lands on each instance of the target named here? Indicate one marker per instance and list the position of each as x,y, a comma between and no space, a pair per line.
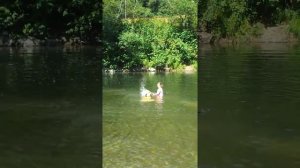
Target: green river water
150,134
249,107
50,108
241,110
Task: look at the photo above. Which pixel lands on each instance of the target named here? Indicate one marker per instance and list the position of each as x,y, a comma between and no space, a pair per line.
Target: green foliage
149,33
186,10
239,19
52,18
226,18
294,26
8,18
35,30
112,25
257,29
156,43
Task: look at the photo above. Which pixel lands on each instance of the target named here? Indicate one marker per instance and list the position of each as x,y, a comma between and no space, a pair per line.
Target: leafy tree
52,18
234,18
149,33
156,42
186,10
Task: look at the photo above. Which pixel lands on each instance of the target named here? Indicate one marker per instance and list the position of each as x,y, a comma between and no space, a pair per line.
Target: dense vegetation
149,33
235,18
135,33
44,19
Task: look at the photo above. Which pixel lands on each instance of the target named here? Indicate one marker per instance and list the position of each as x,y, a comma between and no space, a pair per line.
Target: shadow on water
149,133
49,115
249,102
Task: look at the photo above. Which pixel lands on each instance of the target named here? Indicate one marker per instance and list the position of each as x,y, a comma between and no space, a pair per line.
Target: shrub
294,26
257,29
156,42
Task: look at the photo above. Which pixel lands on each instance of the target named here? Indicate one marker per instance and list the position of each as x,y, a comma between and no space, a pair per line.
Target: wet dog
146,93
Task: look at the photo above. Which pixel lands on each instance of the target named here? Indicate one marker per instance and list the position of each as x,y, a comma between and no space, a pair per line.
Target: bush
257,29
156,42
285,15
294,26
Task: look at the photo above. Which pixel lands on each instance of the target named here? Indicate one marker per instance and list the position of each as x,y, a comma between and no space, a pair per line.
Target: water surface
150,134
50,107
249,101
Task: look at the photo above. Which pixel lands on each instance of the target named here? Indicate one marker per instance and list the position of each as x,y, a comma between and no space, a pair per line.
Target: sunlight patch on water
149,134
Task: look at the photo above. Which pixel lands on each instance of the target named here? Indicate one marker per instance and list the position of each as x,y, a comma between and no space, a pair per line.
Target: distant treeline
236,18
44,19
149,33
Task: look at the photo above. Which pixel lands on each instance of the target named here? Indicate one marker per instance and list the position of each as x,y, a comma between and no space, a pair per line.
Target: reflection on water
249,107
149,133
49,107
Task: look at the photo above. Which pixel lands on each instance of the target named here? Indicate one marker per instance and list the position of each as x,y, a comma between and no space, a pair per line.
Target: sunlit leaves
154,42
149,33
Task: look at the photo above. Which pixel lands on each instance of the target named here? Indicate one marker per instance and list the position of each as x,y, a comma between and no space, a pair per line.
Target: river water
152,134
248,113
249,107
50,107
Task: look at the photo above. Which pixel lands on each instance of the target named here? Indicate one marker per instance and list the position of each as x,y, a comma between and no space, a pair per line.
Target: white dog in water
146,93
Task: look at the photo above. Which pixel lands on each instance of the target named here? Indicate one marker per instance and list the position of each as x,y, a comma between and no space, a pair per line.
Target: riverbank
184,69
6,41
274,34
